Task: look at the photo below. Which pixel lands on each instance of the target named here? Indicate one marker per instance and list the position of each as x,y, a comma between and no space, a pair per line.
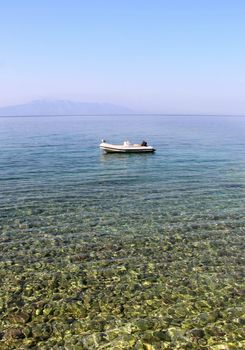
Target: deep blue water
66,207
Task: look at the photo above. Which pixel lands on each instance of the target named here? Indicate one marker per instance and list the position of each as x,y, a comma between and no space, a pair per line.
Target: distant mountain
62,107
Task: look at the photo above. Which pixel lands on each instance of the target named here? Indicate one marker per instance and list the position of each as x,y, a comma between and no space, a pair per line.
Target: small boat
127,147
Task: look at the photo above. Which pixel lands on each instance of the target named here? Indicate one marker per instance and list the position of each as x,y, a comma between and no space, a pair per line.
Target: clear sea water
110,251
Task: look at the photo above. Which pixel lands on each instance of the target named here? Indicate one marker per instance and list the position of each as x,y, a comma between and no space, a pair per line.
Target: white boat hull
110,148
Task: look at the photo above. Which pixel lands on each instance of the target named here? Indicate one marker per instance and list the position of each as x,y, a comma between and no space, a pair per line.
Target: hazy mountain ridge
62,107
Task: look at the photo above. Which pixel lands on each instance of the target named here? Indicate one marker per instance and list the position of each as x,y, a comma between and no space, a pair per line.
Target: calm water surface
141,251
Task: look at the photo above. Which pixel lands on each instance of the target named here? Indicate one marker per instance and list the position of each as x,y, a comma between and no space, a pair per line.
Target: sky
173,56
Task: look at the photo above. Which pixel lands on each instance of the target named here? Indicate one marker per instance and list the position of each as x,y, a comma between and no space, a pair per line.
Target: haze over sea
117,251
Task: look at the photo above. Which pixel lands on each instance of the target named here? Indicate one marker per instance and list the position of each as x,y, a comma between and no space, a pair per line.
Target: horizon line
126,114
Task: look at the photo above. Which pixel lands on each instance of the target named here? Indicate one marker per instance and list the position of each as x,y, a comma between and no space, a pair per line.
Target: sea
122,251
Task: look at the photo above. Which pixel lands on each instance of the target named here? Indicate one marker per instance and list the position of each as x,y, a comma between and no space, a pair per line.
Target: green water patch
181,288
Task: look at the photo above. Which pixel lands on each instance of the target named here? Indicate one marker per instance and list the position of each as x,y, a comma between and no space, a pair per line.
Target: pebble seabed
173,288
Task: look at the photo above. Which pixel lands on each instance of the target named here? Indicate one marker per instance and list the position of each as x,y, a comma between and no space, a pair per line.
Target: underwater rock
196,333
90,341
144,324
220,347
163,335
13,333
148,346
21,317
175,333
41,331
27,331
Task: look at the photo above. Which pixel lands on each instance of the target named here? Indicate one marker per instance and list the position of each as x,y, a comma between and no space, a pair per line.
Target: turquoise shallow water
122,251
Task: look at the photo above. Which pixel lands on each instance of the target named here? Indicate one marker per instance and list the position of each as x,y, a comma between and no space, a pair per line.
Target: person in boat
143,143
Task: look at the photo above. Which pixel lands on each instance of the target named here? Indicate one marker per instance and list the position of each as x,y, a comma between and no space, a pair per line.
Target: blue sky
153,56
